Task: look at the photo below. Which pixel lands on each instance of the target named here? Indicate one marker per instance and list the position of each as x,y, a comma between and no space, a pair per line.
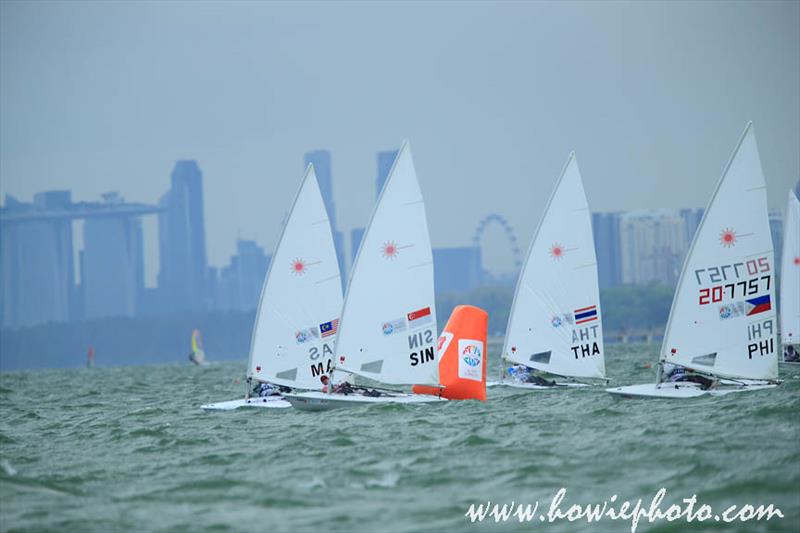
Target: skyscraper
112,273
776,231
240,283
182,247
605,227
37,281
653,244
356,234
385,162
692,218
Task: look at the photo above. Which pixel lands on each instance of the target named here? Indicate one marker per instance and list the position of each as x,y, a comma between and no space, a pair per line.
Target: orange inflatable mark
462,356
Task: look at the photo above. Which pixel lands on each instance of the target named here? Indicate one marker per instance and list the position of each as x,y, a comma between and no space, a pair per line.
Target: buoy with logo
462,356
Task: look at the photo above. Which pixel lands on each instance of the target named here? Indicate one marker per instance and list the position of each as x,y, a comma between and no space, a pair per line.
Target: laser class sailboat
790,280
388,327
555,324
722,324
296,323
198,355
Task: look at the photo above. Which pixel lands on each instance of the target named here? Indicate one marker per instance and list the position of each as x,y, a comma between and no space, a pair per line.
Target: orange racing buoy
462,356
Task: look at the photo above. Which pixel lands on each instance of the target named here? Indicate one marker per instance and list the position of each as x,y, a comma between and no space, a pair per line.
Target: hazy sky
102,96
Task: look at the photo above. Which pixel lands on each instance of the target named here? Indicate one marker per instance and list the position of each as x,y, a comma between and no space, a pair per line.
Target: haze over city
101,97
524,219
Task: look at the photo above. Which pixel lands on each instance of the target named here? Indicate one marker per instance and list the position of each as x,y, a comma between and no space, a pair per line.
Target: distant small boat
555,324
296,323
721,332
90,357
790,280
388,327
197,355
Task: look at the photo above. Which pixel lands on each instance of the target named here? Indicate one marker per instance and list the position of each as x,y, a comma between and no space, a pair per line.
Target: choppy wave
129,449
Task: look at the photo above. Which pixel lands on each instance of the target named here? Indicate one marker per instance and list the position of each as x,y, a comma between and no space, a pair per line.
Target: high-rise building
385,162
653,244
36,262
605,227
182,247
456,269
776,231
691,218
112,273
240,283
356,235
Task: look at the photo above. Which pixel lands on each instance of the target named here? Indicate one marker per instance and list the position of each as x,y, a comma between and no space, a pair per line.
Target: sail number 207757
748,288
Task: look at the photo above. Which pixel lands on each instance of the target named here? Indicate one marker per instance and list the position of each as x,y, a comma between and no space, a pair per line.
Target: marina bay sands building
37,259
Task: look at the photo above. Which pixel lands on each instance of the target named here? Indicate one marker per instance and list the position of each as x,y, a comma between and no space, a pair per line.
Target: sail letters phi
755,332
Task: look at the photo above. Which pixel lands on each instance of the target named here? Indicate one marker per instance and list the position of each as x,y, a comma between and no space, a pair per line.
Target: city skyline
638,247
489,104
347,240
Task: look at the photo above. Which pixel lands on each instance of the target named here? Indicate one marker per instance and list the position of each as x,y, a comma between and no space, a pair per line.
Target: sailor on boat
790,354
525,374
264,389
345,387
677,373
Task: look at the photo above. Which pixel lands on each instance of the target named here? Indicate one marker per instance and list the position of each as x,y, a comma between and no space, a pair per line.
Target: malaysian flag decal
329,328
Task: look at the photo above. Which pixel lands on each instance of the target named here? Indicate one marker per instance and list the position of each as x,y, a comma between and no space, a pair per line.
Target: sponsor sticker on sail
393,326
419,318
305,335
470,359
731,310
559,320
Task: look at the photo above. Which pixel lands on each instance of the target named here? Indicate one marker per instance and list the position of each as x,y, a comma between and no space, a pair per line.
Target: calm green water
128,448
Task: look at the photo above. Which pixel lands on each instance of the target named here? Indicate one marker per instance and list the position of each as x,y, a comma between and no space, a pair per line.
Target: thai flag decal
585,314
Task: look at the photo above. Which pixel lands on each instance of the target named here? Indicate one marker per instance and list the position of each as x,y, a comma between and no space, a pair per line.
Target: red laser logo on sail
389,250
727,238
557,251
298,267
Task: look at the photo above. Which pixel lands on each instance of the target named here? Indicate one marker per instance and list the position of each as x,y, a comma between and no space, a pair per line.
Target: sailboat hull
270,402
531,386
663,390
687,389
320,401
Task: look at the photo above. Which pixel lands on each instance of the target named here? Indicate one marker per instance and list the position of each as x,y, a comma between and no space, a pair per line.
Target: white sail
555,323
790,271
388,329
722,319
295,329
